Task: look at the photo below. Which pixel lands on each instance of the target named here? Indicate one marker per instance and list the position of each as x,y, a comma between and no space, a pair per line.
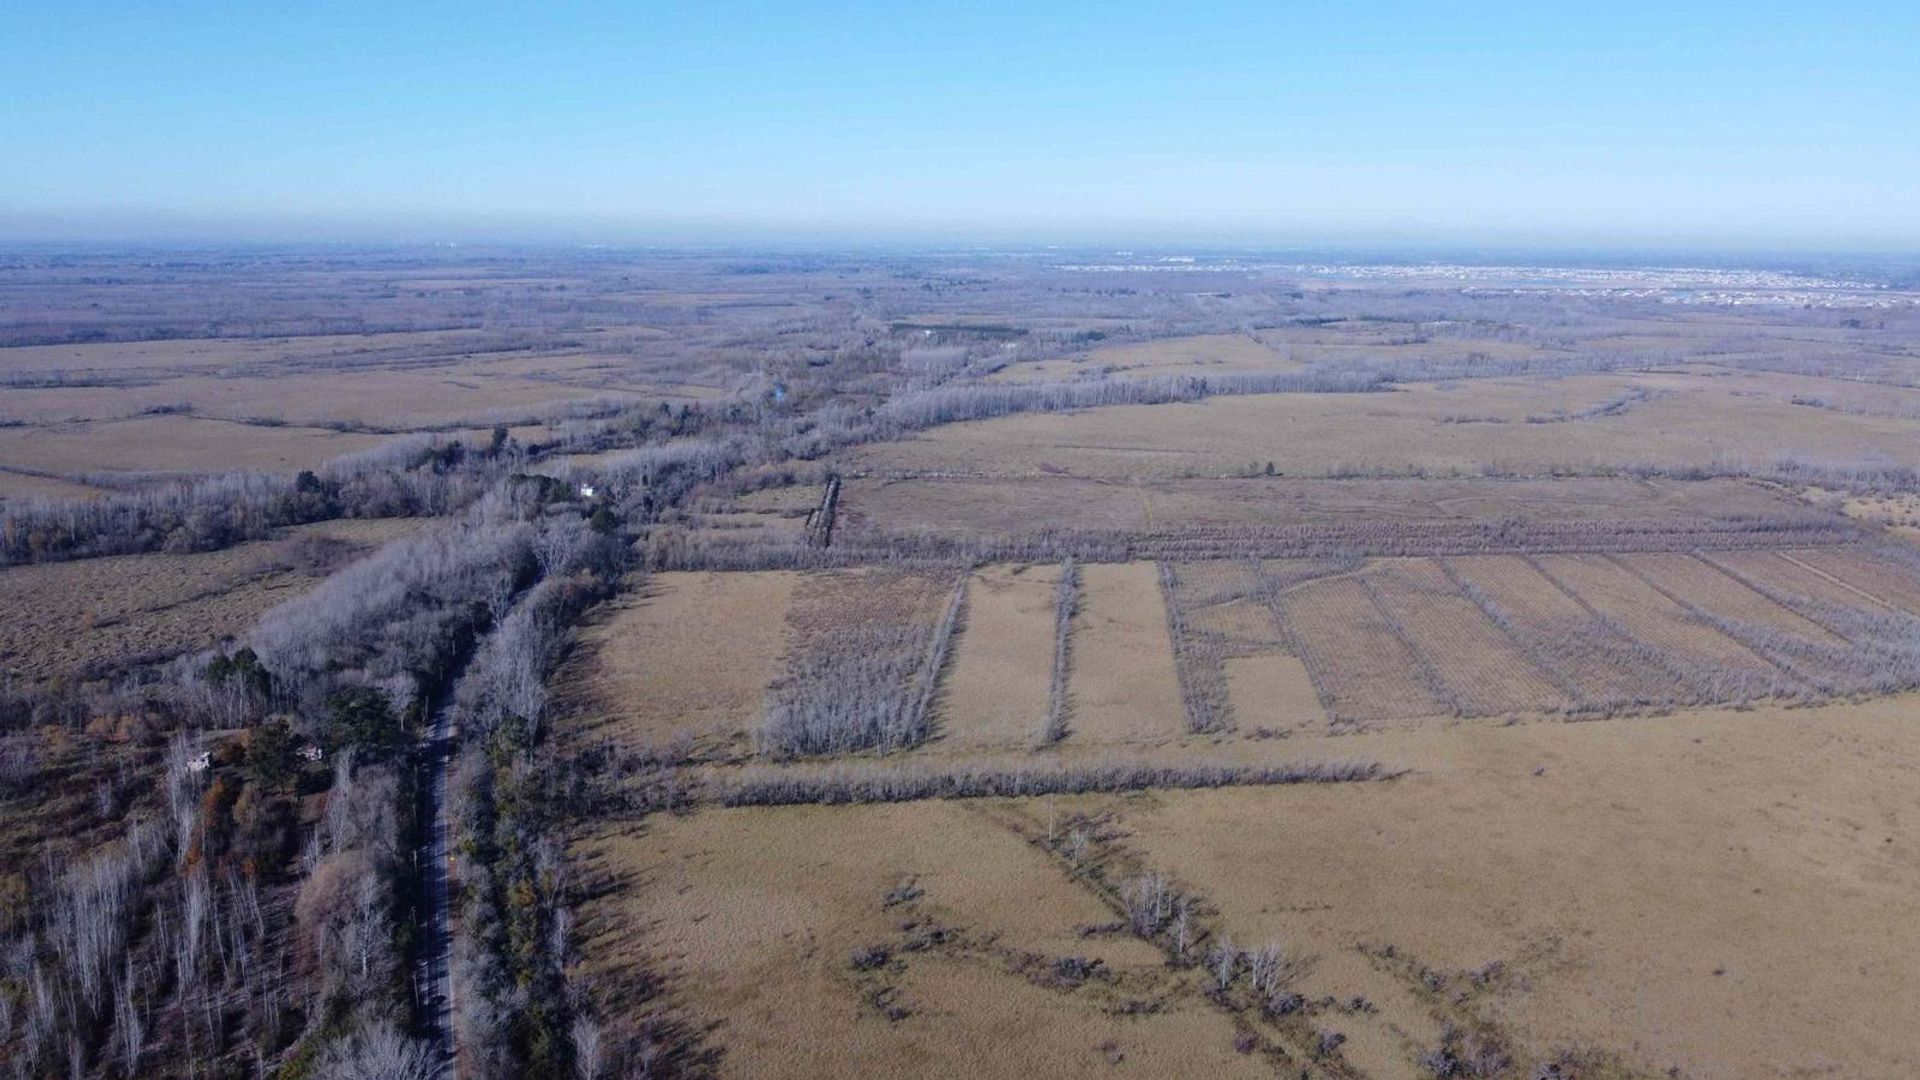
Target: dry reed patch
996,693
752,918
1361,666
1123,683
1716,592
1731,893
1478,663
689,653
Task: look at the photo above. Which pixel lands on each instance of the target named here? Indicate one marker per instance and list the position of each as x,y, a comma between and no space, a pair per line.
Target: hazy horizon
1715,128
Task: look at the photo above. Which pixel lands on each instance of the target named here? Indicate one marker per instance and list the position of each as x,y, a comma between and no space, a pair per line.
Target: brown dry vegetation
996,693
1122,684
686,655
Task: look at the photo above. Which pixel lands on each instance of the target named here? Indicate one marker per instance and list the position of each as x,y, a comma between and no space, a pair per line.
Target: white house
200,762
586,491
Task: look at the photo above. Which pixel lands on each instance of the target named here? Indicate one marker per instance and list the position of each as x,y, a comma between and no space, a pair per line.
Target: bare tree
378,1051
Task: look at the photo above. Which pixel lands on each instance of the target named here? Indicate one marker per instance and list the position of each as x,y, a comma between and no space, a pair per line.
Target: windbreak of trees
512,794
982,401
1199,663
875,784
395,622
1066,604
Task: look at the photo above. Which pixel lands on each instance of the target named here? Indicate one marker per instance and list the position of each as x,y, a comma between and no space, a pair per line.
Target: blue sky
1744,124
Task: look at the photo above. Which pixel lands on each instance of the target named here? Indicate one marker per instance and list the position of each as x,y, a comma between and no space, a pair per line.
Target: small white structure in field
311,752
200,762
586,491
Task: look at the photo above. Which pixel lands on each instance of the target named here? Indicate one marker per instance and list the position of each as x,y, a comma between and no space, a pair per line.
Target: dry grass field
649,668
877,509
1581,423
1728,894
1296,646
996,693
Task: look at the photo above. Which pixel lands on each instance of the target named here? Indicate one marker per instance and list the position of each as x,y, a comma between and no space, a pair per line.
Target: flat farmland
175,443
1615,593
1584,423
1566,639
1241,517
1890,578
1479,666
645,671
1201,354
1123,683
1704,585
1365,670
755,915
1287,647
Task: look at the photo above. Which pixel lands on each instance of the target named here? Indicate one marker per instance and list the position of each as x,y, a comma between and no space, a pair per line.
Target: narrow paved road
433,969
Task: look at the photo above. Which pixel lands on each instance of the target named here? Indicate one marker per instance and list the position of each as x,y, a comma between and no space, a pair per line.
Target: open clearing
1224,517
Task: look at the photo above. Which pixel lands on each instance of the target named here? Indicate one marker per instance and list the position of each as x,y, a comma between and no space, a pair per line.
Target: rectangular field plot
1558,633
1781,575
687,653
1123,683
1480,666
1649,616
1888,579
866,650
1711,589
996,692
1273,692
1364,671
